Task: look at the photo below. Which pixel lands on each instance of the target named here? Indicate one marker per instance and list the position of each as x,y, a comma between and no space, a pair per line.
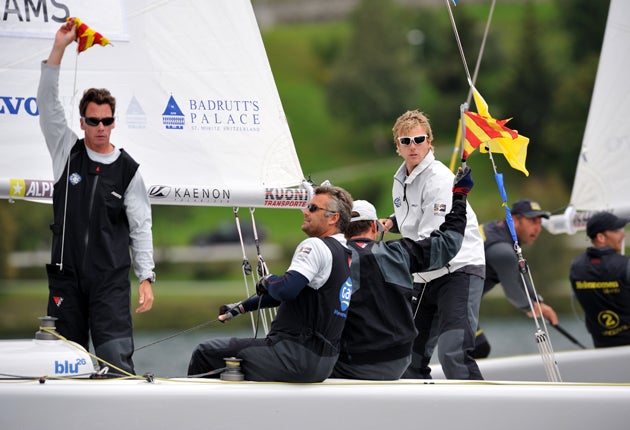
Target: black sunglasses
406,141
93,122
312,207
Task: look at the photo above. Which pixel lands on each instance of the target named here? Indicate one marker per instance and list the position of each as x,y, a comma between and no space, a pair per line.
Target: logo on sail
30,188
136,118
173,117
286,197
159,191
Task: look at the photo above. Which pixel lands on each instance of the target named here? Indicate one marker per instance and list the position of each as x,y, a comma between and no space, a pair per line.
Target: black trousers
277,359
84,307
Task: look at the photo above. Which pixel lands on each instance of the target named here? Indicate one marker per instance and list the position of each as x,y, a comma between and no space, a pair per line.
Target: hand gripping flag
86,37
481,128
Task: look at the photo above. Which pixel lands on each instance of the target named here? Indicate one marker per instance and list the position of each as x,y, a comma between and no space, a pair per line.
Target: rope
247,271
125,374
261,269
246,266
65,199
188,330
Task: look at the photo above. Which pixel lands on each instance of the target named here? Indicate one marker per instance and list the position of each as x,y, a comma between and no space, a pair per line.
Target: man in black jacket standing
600,279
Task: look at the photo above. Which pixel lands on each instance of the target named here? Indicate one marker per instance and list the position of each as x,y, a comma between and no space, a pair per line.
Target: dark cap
529,209
604,221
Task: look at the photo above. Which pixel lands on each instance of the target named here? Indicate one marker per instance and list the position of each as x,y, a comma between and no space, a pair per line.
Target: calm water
507,337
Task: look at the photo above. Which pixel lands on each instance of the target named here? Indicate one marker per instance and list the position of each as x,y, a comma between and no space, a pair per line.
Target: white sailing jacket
421,201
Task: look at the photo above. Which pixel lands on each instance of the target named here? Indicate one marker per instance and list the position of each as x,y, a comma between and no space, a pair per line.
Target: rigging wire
248,272
261,268
246,267
542,338
458,147
458,40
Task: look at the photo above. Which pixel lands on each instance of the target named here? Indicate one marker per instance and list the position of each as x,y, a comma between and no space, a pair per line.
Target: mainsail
601,179
197,105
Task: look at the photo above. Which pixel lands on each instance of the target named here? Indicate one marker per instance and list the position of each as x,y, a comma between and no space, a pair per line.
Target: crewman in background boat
447,305
101,211
600,279
312,296
378,336
502,264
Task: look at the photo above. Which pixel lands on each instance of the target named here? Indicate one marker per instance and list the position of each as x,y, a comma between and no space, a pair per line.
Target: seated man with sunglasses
101,210
312,296
447,299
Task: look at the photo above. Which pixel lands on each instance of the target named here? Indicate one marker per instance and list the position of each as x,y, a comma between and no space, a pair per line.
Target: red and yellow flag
86,37
481,128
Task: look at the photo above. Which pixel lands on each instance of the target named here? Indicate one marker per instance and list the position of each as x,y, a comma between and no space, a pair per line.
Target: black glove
230,311
463,182
261,286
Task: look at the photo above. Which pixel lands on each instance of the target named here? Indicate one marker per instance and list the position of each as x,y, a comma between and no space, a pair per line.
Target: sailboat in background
601,181
199,110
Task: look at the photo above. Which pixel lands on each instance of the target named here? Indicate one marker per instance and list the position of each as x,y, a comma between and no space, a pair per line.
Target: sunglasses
93,122
312,207
406,141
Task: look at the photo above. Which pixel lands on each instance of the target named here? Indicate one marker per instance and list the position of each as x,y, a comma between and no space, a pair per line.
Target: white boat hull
510,398
203,404
604,365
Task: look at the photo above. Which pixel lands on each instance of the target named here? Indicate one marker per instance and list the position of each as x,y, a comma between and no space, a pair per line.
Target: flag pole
458,149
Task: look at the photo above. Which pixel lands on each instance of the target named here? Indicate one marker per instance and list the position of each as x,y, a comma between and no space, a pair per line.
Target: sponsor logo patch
345,293
74,179
439,208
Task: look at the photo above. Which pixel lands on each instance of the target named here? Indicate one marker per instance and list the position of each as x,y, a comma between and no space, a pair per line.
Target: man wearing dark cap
502,263
600,279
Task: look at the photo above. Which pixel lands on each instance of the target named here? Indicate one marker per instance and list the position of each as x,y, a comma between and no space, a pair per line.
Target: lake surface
169,358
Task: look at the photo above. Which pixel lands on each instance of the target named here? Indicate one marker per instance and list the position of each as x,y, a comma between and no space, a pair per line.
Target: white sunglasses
406,141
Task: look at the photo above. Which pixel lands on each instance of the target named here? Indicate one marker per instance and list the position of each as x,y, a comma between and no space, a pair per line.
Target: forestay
601,179
197,105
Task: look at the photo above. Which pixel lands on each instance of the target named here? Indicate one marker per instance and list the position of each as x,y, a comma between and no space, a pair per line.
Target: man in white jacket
447,306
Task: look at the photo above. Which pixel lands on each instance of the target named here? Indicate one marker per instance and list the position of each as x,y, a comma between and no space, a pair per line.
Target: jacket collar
401,173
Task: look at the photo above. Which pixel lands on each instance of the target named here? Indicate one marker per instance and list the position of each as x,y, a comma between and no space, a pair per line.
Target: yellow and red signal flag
488,133
87,37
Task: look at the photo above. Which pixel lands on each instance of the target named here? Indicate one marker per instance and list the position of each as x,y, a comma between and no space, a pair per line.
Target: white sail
197,105
601,179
